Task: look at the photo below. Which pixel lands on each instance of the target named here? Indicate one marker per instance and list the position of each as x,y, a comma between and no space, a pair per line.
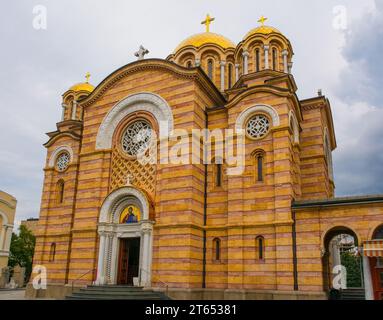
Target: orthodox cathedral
200,230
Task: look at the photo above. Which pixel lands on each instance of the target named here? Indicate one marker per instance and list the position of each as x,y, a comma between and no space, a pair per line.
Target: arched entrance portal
341,259
125,251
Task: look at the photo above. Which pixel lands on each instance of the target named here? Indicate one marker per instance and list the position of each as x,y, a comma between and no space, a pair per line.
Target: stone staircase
352,294
114,292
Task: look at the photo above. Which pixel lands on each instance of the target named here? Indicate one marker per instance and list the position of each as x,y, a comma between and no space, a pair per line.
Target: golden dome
262,30
85,86
200,39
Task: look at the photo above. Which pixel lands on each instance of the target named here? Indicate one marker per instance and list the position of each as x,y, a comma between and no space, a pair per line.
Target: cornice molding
281,92
195,74
52,140
8,204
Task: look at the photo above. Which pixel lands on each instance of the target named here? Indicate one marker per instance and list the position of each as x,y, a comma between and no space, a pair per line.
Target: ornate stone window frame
127,149
121,129
67,164
257,109
57,152
144,101
250,118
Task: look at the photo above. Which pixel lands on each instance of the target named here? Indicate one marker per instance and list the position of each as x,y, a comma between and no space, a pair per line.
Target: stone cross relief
140,54
129,180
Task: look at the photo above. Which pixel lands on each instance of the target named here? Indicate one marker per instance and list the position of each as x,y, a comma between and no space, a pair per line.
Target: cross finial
87,76
207,22
140,54
262,20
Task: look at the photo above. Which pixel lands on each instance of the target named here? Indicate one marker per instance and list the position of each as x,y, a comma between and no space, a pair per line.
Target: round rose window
62,161
257,126
136,138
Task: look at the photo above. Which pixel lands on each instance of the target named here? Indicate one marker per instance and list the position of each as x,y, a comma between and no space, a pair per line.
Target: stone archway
328,257
112,232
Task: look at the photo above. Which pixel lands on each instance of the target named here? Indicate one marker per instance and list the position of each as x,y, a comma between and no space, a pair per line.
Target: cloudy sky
337,49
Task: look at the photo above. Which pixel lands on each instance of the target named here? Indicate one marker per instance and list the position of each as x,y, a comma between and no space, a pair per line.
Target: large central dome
200,39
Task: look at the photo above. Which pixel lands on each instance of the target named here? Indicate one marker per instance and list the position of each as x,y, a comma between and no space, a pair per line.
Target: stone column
369,291
101,261
146,265
245,56
63,105
236,72
223,64
74,109
197,62
2,236
290,66
108,257
266,48
113,268
285,64
8,237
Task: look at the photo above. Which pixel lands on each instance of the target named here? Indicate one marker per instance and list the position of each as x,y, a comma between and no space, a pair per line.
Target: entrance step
352,294
114,292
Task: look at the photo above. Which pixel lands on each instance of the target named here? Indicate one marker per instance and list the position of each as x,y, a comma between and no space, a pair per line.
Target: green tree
353,267
22,249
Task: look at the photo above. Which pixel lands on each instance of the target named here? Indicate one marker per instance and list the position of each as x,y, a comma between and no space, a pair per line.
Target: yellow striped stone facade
186,212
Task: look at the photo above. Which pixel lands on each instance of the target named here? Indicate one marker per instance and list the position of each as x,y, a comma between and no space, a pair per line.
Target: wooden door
377,277
123,262
128,261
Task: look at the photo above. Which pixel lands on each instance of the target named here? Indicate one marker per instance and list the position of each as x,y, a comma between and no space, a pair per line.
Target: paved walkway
12,294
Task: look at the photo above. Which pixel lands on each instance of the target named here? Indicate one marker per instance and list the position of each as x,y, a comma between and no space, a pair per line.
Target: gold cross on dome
87,76
262,20
207,22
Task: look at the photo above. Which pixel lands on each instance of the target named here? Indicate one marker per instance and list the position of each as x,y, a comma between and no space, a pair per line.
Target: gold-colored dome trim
265,30
82,87
201,39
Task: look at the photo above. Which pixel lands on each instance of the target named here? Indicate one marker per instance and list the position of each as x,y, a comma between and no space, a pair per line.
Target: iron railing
158,280
80,277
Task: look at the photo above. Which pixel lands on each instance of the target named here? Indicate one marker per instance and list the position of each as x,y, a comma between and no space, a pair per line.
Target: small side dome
262,30
200,39
83,86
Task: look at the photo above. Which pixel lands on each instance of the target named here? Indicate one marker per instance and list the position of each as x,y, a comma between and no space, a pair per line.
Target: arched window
230,75
189,64
274,59
217,249
378,234
60,191
259,166
218,175
257,61
260,247
210,68
52,252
